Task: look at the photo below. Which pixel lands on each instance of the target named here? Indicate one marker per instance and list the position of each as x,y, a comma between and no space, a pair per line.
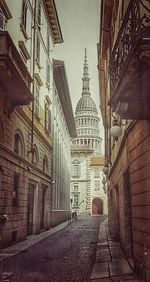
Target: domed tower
86,117
86,158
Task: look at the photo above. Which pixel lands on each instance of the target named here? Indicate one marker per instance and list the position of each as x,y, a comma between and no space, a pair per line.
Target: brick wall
136,157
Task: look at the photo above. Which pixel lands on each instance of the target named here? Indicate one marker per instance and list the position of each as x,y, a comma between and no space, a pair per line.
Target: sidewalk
30,241
23,245
110,263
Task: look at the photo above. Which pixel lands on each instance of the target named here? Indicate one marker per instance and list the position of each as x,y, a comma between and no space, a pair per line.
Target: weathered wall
58,216
133,171
12,163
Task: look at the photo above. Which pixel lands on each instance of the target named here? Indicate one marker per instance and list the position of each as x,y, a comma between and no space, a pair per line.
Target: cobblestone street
67,255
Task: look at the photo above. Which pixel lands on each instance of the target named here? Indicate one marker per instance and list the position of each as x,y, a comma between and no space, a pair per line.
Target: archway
97,206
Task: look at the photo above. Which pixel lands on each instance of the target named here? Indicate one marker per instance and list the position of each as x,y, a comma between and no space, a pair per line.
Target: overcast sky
80,22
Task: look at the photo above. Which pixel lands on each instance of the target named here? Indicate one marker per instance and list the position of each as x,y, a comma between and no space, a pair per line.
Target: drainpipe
33,85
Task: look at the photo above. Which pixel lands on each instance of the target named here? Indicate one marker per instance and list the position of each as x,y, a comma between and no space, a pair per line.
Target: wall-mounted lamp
105,169
105,189
104,180
116,129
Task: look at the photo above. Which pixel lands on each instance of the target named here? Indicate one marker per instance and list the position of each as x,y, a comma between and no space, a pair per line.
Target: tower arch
97,206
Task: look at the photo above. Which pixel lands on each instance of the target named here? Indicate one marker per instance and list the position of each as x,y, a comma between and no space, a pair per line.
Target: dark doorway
127,215
42,206
97,206
30,209
117,213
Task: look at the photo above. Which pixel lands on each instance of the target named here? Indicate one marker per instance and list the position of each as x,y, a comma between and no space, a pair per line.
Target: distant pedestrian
75,215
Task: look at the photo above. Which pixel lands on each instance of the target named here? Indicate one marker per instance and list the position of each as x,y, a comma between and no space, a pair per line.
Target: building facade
29,31
63,129
86,189
124,69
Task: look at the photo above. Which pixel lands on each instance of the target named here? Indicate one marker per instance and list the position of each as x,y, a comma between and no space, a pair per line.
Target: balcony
15,80
130,64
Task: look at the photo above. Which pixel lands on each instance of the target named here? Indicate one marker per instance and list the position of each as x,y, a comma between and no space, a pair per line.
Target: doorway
42,206
127,215
30,209
97,206
117,213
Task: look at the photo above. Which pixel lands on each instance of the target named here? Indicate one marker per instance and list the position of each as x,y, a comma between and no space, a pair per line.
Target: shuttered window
47,118
37,100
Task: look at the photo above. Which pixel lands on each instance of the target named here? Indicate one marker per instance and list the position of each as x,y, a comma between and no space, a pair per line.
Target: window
47,74
76,170
18,145
15,189
38,48
24,51
76,200
97,172
47,118
97,185
45,164
24,14
76,188
37,100
2,21
39,16
48,42
35,155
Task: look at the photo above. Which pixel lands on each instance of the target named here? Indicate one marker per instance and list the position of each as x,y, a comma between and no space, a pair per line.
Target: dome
86,103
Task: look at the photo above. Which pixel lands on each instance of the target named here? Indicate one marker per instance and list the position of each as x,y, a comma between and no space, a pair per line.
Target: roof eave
61,83
54,21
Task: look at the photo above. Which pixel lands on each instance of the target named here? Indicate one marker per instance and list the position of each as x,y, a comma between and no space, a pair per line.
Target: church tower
87,195
86,117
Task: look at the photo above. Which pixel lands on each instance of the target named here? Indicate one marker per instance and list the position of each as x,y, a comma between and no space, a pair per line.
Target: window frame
15,195
96,185
24,14
37,100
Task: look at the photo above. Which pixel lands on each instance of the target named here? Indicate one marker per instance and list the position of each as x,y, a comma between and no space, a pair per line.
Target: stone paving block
102,280
103,254
134,280
113,243
116,252
102,244
128,278
100,270
120,267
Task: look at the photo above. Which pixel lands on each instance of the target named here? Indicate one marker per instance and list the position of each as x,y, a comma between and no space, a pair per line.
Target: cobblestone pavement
67,255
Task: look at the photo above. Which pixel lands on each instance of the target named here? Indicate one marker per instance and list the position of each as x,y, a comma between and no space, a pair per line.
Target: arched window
35,155
76,188
45,164
18,144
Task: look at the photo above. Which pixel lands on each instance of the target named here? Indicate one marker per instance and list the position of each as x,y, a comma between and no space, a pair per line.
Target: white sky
80,22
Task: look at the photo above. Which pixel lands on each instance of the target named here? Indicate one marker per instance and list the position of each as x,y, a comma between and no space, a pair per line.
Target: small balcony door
30,209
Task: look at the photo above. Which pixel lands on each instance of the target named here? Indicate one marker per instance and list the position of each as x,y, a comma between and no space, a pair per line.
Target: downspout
33,85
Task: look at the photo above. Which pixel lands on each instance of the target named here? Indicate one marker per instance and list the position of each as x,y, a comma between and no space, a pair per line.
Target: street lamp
105,169
116,129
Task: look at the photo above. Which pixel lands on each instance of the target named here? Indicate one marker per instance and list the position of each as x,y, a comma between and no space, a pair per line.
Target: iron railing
135,28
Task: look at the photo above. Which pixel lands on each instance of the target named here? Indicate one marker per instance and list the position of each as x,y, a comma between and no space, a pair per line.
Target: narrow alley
74,140
68,255
80,251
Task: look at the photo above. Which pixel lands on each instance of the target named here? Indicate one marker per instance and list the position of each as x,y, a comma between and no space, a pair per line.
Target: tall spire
85,79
